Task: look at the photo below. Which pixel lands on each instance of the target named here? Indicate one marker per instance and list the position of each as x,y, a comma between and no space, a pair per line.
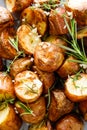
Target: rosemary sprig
25,108
75,49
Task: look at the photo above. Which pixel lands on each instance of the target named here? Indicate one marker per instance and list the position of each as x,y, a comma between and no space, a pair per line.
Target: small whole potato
28,87
38,108
6,87
47,57
70,122
9,120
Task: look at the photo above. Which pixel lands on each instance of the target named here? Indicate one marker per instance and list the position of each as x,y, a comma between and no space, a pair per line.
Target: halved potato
35,17
76,87
7,50
38,108
9,120
47,57
59,106
68,68
20,65
28,87
6,87
28,39
17,5
6,19
70,122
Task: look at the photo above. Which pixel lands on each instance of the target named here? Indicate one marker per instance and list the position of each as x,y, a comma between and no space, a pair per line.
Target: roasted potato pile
43,65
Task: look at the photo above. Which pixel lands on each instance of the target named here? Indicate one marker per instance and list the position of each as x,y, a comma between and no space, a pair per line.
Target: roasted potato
47,78
79,11
56,22
1,64
76,87
39,110
20,65
28,87
28,39
9,120
35,17
59,105
47,57
6,19
83,109
17,5
69,67
7,50
56,40
43,125
6,87
70,122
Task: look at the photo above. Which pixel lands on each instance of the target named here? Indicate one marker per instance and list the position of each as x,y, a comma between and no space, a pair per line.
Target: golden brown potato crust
12,121
47,57
59,105
39,110
35,17
69,122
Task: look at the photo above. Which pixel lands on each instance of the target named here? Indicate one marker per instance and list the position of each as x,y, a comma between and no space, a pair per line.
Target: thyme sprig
27,110
75,50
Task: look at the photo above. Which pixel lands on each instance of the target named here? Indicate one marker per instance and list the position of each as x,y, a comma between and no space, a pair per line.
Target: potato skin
28,87
12,121
59,105
68,68
6,19
47,57
56,22
35,17
69,122
7,50
28,39
76,90
6,87
39,110
17,5
20,65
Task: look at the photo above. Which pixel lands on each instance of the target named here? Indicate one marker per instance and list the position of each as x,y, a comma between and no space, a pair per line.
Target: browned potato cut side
35,17
59,105
6,19
76,87
20,65
6,87
28,39
39,110
70,122
9,120
68,68
47,57
17,5
28,87
8,49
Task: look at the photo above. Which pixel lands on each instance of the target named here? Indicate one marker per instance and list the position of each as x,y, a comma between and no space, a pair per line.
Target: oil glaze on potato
70,122
39,110
28,87
9,120
47,57
6,87
28,39
76,87
20,65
